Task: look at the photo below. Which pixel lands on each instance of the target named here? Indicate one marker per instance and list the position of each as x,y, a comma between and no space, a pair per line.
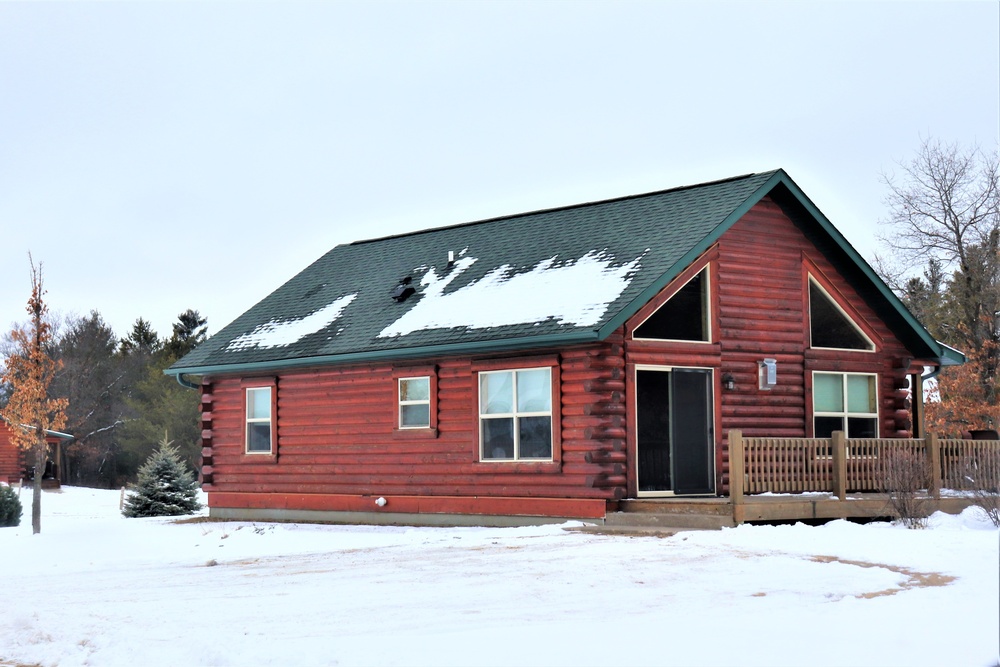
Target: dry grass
904,477
981,480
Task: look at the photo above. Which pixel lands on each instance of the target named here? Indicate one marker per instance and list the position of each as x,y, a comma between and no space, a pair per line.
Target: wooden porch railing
840,466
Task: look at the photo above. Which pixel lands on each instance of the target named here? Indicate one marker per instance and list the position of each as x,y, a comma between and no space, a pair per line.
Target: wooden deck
795,479
709,513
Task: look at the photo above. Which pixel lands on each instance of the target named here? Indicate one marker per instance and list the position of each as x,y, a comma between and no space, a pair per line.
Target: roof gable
545,278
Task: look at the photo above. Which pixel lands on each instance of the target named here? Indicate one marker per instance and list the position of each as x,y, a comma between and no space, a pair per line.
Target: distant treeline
120,402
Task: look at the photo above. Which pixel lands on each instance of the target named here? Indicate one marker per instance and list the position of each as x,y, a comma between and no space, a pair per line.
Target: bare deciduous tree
945,204
945,215
29,371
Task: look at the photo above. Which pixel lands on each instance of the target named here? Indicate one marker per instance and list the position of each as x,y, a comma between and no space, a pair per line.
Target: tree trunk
40,451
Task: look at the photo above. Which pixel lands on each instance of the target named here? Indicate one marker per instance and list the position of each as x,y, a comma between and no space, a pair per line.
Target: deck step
685,520
631,531
699,506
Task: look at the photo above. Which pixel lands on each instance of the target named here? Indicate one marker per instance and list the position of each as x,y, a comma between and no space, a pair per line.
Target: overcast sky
159,156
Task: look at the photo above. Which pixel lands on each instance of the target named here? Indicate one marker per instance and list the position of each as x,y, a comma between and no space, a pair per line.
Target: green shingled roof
611,256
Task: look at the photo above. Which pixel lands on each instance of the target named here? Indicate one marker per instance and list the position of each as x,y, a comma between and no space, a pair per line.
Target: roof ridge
566,207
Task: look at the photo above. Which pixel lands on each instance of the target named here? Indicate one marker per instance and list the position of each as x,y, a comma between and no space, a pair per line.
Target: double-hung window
515,415
415,402
845,402
259,422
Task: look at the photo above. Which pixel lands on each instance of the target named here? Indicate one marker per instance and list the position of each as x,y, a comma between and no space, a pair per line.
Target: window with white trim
829,326
415,402
684,316
260,431
515,415
845,402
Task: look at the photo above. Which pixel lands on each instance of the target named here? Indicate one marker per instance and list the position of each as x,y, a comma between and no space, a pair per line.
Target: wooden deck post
839,446
933,465
736,474
917,403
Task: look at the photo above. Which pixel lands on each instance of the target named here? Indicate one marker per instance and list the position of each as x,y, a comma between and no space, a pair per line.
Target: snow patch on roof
572,292
281,333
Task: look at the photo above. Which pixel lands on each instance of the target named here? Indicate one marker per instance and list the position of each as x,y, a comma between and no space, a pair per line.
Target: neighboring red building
13,461
11,458
552,363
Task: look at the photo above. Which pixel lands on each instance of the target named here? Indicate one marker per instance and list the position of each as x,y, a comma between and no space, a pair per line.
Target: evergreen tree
10,507
94,378
926,298
189,332
160,404
165,487
142,341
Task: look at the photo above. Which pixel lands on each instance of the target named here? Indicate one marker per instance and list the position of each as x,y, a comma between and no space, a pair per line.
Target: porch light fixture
728,382
768,373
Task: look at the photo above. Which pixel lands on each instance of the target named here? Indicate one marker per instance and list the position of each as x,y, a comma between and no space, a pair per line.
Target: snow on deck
280,333
576,292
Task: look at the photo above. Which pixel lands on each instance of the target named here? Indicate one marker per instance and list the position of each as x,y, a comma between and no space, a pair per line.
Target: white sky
159,156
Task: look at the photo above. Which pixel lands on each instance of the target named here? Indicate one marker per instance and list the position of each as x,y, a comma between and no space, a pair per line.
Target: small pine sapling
165,487
10,507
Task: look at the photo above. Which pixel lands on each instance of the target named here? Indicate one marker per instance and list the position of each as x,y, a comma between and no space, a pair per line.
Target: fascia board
862,265
953,357
949,356
450,349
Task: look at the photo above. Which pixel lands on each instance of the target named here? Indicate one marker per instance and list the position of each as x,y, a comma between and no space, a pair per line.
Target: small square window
415,402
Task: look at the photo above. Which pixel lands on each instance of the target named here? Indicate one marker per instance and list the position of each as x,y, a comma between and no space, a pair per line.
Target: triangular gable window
683,317
830,326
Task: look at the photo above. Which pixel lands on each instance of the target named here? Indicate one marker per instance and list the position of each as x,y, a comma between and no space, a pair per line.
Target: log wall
764,260
337,436
11,459
759,293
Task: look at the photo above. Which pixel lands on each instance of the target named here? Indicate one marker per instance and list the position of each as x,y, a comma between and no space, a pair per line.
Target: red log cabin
550,364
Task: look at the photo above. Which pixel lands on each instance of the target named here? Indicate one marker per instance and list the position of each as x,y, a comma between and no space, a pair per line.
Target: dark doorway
674,433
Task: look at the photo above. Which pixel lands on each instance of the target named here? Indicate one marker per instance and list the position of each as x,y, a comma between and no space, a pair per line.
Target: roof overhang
452,349
49,433
644,297
950,356
781,185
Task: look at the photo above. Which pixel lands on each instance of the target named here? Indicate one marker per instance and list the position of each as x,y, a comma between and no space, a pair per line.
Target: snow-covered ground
98,589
